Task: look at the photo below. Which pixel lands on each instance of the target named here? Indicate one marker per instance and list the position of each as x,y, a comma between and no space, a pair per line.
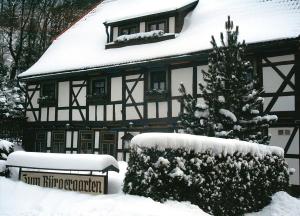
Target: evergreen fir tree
233,102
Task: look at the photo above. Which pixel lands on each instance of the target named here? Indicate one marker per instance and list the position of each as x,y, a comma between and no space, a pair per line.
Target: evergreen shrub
220,184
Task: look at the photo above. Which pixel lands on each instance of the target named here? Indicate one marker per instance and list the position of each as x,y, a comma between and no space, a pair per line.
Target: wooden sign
91,184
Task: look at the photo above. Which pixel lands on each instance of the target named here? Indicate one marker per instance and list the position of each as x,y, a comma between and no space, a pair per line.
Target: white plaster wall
163,109
97,136
100,113
75,139
116,89
63,94
92,116
135,76
171,24
69,139
49,139
115,33
76,115
51,113
151,110
175,108
283,103
120,134
142,27
118,110
30,116
81,97
109,112
131,113
200,76
63,115
182,75
78,82
272,81
34,99
281,58
294,163
138,93
43,114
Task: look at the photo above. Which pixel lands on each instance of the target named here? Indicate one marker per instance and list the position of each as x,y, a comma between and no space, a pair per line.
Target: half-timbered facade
99,84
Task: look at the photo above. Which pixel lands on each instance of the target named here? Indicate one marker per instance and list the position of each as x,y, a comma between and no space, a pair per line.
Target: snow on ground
18,198
201,144
282,205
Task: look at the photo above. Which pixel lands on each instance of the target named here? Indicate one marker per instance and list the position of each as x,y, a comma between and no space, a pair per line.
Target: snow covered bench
87,173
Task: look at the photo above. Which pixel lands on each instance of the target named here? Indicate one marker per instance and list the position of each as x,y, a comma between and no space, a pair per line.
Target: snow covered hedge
5,149
222,177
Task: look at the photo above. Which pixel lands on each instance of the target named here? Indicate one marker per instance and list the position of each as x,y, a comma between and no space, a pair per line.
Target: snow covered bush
5,149
221,176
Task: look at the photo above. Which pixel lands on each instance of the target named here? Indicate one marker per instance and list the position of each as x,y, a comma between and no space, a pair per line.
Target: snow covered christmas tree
233,104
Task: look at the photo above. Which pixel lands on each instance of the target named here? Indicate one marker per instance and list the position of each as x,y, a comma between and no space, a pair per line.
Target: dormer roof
82,47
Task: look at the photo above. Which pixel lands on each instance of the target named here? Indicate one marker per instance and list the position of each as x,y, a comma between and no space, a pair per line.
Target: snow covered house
116,72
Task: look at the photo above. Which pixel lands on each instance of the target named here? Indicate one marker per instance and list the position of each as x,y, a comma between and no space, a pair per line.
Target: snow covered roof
202,144
83,45
81,162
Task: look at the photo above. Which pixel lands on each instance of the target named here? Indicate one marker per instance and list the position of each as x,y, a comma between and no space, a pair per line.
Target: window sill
138,42
97,99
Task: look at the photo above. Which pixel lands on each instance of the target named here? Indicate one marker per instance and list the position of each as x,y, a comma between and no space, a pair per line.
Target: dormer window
157,25
127,30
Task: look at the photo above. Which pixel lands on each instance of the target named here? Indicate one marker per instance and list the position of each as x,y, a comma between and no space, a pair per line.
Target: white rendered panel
97,135
138,93
44,114
281,58
279,140
49,139
200,76
135,76
79,82
115,33
284,103
100,113
116,89
31,86
63,94
127,157
92,116
142,27
182,75
294,147
63,115
294,163
120,156
75,139
30,116
51,113
69,139
34,99
175,108
171,24
68,152
109,112
74,152
267,100
76,115
151,110
96,152
82,97
120,135
163,109
131,113
118,112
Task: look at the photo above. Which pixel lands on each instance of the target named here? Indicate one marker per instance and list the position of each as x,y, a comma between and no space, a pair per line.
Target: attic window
48,90
157,25
98,87
158,80
127,30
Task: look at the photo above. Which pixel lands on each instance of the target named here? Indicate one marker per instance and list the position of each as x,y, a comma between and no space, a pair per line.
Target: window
157,25
109,143
86,142
48,90
41,141
99,87
127,30
58,144
158,80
